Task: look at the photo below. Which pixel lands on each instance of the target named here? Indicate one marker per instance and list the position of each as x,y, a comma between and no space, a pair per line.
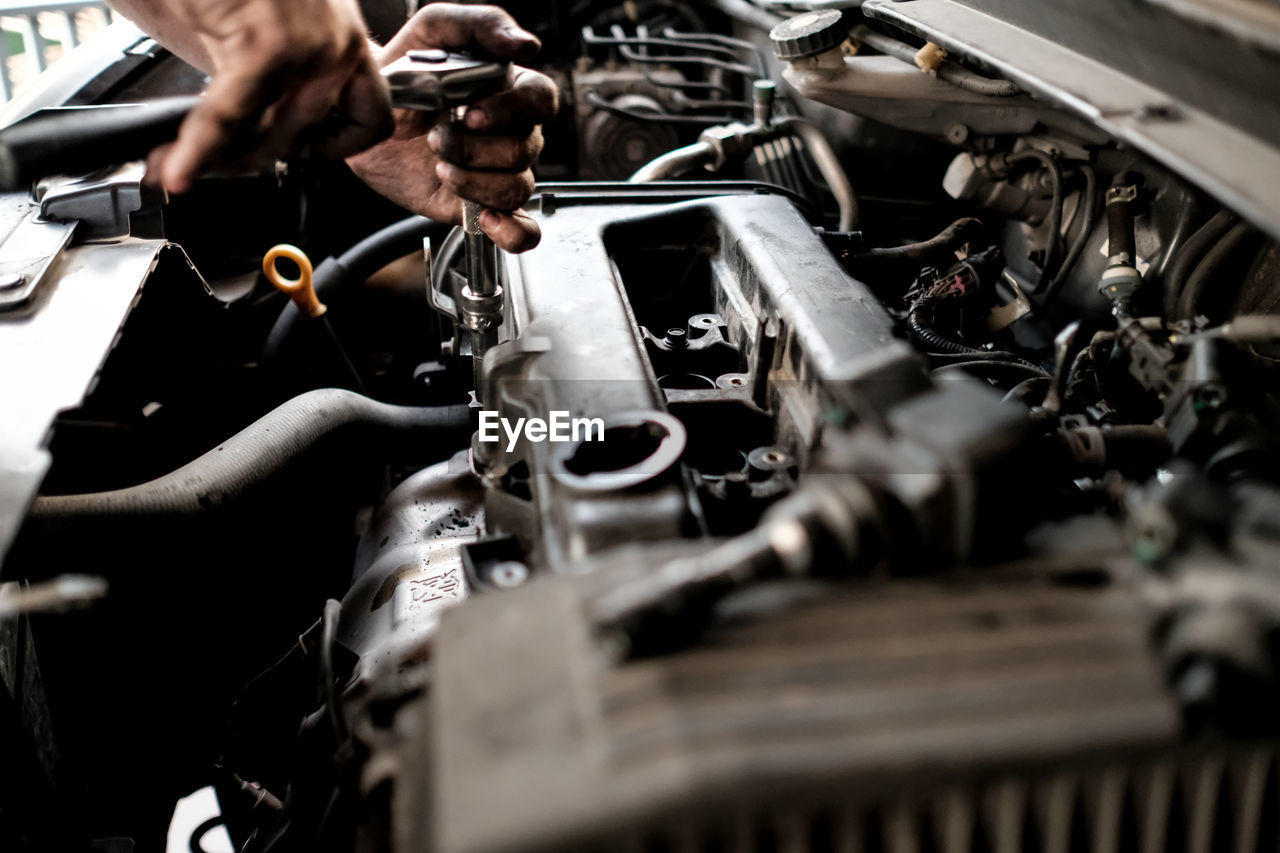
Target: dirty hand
285,73
429,166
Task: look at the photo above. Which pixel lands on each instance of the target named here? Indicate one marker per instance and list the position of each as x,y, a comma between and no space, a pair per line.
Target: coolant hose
253,455
353,267
1189,253
1208,268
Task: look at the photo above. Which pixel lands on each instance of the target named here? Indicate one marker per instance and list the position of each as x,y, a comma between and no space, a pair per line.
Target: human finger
532,99
453,25
513,232
485,151
498,190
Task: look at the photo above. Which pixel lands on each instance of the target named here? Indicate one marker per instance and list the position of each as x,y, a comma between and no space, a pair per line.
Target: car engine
880,452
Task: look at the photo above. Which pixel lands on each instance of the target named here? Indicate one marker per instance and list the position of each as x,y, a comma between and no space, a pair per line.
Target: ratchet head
435,80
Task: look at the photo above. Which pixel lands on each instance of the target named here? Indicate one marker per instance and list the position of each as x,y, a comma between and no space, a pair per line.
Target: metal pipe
950,72
674,163
828,164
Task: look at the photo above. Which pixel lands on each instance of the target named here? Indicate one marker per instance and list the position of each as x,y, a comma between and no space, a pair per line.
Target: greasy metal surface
811,335
577,351
409,565
51,350
840,700
1240,169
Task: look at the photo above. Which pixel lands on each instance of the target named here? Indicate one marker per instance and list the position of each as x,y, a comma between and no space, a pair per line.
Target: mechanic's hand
429,166
285,73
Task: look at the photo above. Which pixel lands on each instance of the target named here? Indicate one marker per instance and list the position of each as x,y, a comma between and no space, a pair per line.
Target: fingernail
433,140
442,170
489,219
476,119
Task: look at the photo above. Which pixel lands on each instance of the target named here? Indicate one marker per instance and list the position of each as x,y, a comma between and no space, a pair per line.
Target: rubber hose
1189,298
253,455
947,238
1190,252
353,267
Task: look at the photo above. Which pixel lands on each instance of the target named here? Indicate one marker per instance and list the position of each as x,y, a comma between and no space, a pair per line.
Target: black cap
808,34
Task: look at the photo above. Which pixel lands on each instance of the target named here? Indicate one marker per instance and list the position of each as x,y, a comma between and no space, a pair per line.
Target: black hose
1189,298
352,268
1190,252
1055,208
253,455
948,238
62,140
1088,211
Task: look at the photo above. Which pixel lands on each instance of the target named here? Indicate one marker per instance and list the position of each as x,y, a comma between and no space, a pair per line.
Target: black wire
1089,209
1055,208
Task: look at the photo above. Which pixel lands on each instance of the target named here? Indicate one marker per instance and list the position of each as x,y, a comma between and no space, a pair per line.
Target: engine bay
880,451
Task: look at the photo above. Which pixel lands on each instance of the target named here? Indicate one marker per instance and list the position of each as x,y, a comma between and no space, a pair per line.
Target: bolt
957,133
508,574
676,338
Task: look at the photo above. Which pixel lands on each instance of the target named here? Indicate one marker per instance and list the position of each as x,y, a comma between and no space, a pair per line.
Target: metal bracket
25,257
101,202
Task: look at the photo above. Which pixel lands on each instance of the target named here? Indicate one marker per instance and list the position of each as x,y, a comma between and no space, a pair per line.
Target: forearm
163,21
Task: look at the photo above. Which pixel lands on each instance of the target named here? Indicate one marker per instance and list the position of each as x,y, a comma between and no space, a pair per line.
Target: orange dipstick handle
300,290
